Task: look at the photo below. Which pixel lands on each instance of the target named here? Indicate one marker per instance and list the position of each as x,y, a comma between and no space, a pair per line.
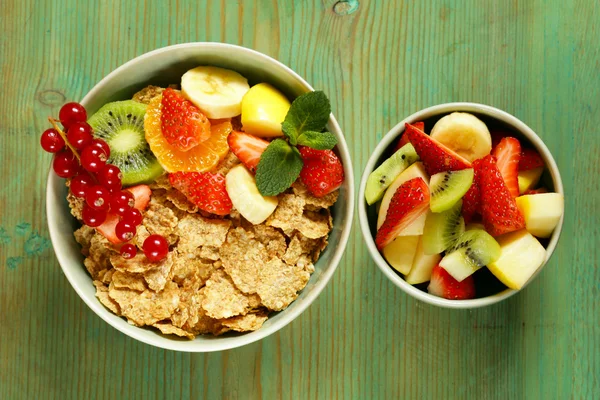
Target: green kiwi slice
388,171
448,187
473,250
121,125
442,230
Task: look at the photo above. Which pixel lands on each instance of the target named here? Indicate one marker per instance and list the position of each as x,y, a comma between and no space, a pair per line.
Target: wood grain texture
363,338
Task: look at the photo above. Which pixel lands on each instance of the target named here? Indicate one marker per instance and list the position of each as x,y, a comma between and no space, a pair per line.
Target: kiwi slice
442,230
384,175
473,250
121,125
449,187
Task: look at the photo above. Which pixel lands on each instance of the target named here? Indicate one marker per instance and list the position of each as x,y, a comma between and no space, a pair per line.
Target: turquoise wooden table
363,338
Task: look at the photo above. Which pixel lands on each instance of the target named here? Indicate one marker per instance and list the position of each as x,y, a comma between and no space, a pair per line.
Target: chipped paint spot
23,229
4,236
13,262
36,244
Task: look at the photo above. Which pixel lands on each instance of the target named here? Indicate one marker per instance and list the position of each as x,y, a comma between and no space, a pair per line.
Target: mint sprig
279,167
281,162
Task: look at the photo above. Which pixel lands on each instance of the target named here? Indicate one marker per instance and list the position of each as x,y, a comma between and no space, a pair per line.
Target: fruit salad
460,212
203,205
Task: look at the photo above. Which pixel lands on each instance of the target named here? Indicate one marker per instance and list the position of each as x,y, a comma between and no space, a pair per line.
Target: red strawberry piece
537,191
183,125
435,156
530,159
247,148
409,202
322,172
508,153
204,189
442,284
472,199
498,207
141,195
404,138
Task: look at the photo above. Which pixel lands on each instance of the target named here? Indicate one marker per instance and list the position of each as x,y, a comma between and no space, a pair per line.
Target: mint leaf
278,168
309,112
317,140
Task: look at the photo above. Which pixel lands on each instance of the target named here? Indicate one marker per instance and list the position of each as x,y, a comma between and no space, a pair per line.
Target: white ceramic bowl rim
391,136
284,317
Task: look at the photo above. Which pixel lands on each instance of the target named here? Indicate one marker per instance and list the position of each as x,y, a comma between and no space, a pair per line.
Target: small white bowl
429,115
162,67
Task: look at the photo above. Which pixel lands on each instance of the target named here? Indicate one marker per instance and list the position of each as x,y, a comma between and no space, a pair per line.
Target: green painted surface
378,61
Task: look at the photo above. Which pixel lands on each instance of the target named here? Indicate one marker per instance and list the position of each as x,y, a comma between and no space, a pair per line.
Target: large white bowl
430,115
162,67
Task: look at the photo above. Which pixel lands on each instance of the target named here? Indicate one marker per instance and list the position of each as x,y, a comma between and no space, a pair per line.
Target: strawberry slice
442,284
409,202
247,148
435,156
183,125
508,153
530,159
498,207
141,195
204,189
322,172
472,199
404,138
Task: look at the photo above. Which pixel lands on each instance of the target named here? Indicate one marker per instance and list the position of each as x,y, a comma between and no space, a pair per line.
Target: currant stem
64,136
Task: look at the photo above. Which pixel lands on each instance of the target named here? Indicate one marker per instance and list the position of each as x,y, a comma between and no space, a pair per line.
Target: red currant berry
156,247
93,159
121,202
103,145
128,251
71,113
65,164
125,231
80,184
79,135
51,141
98,198
133,216
110,177
93,217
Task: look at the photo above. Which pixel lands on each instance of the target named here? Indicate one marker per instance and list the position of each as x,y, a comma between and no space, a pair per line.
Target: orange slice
200,158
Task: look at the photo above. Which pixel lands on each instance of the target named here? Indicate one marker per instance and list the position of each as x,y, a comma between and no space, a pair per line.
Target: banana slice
242,190
217,92
464,133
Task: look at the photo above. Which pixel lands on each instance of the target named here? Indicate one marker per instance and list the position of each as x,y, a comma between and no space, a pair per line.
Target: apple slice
529,178
520,256
414,171
400,253
541,212
422,265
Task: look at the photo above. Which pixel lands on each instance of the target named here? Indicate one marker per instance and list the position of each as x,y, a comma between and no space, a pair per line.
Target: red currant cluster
82,158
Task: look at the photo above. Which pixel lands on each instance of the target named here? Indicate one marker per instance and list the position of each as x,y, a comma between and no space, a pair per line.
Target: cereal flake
280,283
288,213
223,299
148,307
195,231
104,298
243,256
246,323
138,264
